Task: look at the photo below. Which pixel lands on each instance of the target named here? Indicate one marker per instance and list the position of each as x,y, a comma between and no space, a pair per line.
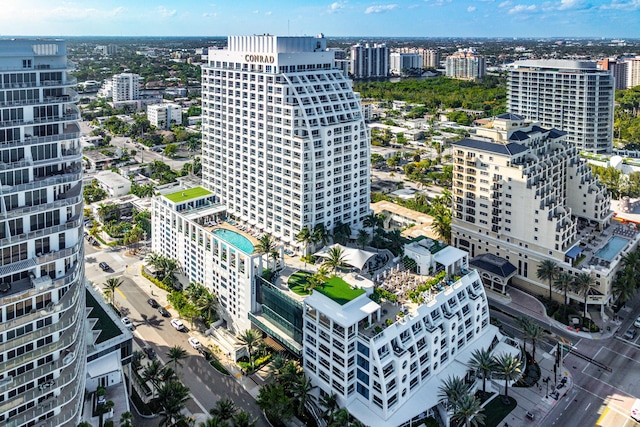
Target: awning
574,252
275,345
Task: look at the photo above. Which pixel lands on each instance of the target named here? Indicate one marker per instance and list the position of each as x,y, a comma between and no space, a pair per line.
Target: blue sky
402,18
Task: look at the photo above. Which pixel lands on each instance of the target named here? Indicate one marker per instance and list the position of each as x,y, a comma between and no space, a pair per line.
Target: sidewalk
532,307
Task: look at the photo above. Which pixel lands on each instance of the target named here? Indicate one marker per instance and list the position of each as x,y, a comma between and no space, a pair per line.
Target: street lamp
546,381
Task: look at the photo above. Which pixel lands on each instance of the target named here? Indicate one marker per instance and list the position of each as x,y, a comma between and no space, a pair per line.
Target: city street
595,387
207,385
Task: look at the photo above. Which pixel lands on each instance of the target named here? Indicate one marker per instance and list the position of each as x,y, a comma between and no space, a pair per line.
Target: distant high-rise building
42,293
107,49
369,61
285,145
573,96
618,70
125,87
633,71
430,58
403,63
466,64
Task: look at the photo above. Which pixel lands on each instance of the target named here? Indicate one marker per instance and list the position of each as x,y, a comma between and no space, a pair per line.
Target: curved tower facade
42,298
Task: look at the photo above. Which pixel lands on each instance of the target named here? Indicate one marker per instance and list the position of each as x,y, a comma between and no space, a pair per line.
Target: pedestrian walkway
532,307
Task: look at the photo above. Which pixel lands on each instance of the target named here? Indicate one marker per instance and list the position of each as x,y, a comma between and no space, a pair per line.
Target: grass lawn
297,281
184,195
496,411
339,290
105,325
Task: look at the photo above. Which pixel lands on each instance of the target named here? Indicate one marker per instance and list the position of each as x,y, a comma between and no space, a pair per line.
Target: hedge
216,364
155,281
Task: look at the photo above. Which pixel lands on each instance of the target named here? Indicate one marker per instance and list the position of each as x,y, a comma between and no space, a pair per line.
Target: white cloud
471,9
622,5
268,13
335,7
381,8
437,2
413,6
505,3
256,11
72,12
209,15
166,13
521,8
569,4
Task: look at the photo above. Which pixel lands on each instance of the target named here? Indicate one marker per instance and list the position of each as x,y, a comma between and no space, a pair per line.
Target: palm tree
214,422
510,368
172,397
441,225
153,374
482,362
330,404
126,419
320,234
110,287
468,411
564,283
335,258
306,238
243,419
302,393
207,304
548,270
176,354
531,331
363,237
582,285
225,409
251,339
266,245
372,221
341,232
451,390
624,288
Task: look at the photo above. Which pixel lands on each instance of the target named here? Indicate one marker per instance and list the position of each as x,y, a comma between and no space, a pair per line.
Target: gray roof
492,147
509,116
493,264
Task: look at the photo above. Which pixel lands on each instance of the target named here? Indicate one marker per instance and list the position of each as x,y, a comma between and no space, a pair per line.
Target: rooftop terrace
188,194
339,290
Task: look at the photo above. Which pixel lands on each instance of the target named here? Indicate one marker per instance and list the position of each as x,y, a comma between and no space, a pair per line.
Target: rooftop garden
105,325
184,195
339,290
299,283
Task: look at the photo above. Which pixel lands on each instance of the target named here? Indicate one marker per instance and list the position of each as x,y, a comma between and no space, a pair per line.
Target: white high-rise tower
284,142
42,297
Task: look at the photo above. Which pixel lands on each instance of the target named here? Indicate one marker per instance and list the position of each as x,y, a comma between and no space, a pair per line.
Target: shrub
155,281
216,364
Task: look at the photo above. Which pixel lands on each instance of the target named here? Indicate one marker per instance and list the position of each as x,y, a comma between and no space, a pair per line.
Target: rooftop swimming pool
612,248
235,239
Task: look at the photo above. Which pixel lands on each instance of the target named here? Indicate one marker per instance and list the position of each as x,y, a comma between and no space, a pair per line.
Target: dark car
104,266
153,303
149,352
203,351
163,311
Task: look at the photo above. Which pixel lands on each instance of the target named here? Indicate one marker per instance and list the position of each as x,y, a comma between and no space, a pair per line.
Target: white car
637,323
194,342
177,323
126,322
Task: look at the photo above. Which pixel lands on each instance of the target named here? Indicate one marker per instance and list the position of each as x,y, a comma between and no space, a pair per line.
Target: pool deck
592,241
227,226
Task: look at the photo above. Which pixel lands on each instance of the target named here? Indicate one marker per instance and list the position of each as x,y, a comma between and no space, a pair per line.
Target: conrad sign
265,59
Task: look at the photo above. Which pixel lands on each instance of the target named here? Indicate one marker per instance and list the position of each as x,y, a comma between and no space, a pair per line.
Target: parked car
203,351
126,322
153,303
104,266
177,323
637,323
630,334
195,343
163,312
149,352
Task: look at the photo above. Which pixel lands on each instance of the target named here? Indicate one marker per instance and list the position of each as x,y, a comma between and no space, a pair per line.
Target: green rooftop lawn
339,290
184,195
105,325
297,281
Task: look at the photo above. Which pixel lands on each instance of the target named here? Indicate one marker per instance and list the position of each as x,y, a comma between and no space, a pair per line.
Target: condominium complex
573,96
522,193
42,296
385,361
186,227
163,116
402,63
430,58
633,71
618,69
466,64
369,61
122,87
284,142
